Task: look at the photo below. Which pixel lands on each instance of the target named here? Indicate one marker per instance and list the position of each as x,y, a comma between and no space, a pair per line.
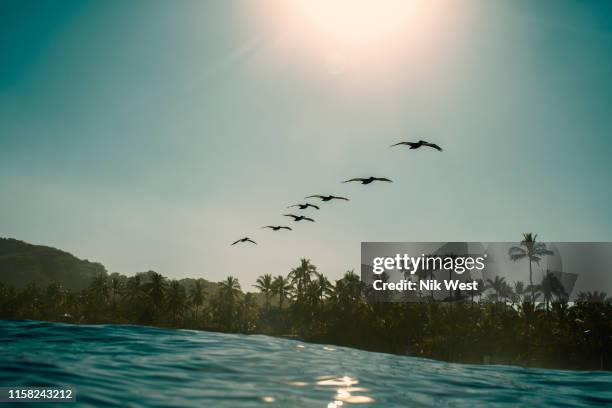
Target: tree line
528,324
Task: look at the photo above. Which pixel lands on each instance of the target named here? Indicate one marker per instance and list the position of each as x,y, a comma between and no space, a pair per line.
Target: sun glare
355,23
363,41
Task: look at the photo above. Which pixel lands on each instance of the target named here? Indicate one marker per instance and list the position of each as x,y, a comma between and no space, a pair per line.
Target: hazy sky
152,134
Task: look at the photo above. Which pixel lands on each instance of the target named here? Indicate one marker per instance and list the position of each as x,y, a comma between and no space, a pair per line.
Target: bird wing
295,205
237,242
315,196
268,226
291,215
400,143
435,146
250,240
312,205
308,219
288,228
340,198
354,179
383,179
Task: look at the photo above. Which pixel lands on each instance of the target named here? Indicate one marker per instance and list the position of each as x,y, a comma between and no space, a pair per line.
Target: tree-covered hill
22,263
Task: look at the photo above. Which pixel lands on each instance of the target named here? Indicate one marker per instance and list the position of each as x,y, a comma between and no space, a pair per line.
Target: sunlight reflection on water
344,392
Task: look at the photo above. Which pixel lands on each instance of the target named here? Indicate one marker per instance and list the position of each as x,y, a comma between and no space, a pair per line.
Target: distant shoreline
497,325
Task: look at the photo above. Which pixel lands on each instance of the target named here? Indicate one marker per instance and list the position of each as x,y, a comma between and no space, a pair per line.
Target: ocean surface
116,365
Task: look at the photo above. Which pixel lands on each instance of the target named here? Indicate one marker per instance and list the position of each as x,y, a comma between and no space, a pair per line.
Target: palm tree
99,289
595,296
323,285
349,288
300,277
224,306
156,288
176,300
230,287
281,287
133,288
264,284
197,296
498,285
247,313
533,251
551,287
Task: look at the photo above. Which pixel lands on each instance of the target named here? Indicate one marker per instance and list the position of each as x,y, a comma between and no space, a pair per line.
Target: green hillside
22,263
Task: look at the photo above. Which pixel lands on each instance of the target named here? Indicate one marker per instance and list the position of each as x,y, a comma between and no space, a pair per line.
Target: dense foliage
498,326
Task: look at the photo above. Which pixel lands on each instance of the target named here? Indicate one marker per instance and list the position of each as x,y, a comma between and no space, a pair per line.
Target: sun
364,42
353,23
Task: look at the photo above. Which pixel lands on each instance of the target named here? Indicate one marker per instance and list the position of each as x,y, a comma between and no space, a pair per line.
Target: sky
149,135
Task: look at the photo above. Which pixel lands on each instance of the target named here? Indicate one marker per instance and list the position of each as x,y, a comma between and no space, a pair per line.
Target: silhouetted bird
328,198
245,239
418,144
277,227
304,206
299,217
368,180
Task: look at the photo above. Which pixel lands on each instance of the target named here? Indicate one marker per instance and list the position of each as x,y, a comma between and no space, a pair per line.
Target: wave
122,365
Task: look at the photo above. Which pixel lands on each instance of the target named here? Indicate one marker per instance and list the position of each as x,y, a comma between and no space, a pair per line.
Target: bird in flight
299,217
245,239
328,198
418,144
304,206
277,227
368,180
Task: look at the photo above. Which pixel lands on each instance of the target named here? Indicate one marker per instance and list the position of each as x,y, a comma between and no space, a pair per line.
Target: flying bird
245,239
418,144
277,227
328,198
368,180
304,206
299,217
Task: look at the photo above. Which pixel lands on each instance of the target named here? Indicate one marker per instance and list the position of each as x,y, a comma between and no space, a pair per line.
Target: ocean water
116,365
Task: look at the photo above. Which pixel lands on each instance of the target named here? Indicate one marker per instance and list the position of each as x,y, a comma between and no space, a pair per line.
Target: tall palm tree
197,296
533,251
300,277
264,284
281,287
176,301
324,286
224,304
156,288
247,313
230,288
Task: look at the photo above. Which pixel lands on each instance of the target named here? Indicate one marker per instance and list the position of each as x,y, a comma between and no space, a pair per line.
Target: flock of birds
326,198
